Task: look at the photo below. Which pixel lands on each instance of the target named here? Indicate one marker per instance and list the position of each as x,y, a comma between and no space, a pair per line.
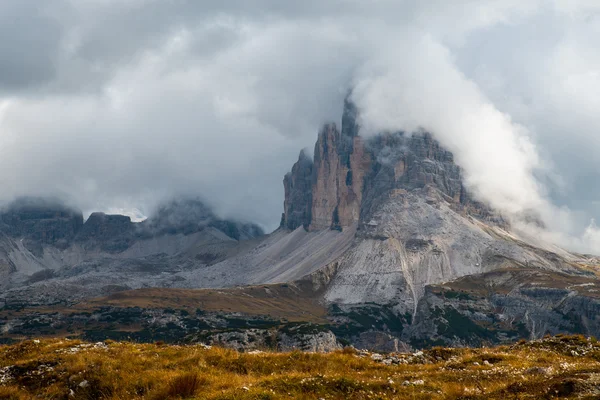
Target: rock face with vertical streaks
338,179
416,223
351,176
298,194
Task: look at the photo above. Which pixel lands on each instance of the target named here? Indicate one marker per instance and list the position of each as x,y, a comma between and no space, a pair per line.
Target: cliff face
414,226
417,163
298,194
352,176
524,302
44,221
327,193
340,165
111,233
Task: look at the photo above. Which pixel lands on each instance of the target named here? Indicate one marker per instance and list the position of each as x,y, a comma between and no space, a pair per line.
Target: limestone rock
307,338
351,177
304,337
44,221
380,342
112,233
298,194
340,165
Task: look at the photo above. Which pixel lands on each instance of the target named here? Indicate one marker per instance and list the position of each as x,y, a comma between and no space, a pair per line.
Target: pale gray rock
380,342
303,338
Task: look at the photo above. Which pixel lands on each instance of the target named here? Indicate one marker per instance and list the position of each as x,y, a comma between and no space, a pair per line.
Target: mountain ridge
382,228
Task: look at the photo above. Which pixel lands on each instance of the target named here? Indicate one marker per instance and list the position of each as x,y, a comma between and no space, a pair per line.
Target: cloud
119,104
29,56
426,91
225,123
512,149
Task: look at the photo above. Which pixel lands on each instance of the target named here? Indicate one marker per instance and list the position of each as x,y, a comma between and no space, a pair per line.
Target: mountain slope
380,231
48,254
416,226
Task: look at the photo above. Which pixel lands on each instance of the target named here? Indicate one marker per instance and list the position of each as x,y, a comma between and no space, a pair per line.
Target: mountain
49,254
417,233
380,243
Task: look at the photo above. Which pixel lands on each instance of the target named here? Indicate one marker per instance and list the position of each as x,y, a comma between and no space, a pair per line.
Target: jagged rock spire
298,194
350,176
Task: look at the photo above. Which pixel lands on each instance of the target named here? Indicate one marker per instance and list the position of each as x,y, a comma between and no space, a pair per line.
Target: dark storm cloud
29,45
118,104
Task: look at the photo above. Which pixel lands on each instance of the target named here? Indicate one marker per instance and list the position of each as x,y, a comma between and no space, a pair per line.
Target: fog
118,105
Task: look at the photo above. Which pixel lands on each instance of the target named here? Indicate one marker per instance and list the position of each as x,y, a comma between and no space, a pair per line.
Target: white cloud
425,90
140,100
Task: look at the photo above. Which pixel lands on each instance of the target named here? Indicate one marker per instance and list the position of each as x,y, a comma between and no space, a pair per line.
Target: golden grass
62,369
292,302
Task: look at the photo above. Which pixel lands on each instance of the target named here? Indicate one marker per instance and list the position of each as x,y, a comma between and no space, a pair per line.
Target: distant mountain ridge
50,241
378,234
49,221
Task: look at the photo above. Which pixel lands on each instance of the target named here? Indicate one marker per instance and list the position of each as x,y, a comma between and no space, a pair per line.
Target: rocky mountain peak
298,194
113,233
43,220
340,165
180,216
103,226
351,176
190,215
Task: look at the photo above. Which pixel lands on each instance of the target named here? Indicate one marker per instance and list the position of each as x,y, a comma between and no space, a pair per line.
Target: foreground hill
560,367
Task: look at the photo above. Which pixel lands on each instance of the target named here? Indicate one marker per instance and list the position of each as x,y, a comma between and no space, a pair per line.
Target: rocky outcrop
188,216
244,340
381,342
44,221
303,338
352,177
307,338
112,233
340,165
298,194
101,226
506,305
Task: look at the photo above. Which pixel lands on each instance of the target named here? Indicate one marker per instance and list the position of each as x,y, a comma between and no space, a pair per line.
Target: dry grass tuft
559,367
184,386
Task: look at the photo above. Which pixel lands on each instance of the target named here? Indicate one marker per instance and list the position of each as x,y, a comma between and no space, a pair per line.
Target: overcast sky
117,104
